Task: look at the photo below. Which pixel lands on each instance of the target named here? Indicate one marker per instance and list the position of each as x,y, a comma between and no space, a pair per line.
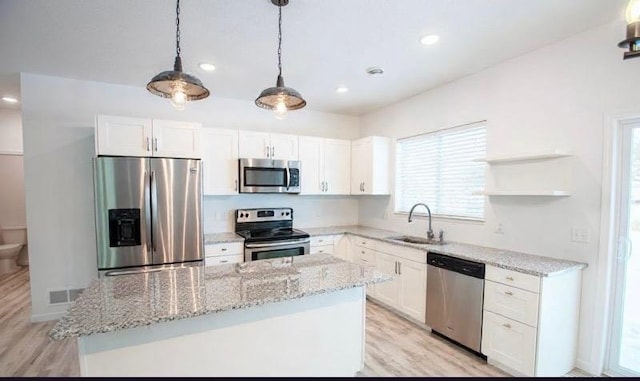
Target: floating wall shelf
546,193
523,157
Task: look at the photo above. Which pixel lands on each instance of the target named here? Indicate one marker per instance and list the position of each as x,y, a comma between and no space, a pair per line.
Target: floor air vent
64,296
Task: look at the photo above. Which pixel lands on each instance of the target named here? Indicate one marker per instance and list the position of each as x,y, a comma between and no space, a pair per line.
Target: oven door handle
275,244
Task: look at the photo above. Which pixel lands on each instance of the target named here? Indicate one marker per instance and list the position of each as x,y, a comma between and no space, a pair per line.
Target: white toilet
11,242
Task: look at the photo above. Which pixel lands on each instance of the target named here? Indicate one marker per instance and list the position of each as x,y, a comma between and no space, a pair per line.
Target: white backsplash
308,211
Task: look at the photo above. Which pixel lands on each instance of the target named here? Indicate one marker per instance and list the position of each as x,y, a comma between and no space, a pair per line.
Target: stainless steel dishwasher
455,291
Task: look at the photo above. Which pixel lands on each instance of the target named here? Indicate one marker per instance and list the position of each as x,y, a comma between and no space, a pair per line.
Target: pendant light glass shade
180,87
632,42
280,98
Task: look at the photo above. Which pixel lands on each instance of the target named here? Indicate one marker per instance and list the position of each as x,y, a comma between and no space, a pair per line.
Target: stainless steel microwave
269,176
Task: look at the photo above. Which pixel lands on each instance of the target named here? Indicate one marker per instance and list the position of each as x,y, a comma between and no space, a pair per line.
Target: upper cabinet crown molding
263,145
143,137
370,165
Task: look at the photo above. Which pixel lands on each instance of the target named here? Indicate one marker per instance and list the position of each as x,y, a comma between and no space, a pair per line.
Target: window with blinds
438,169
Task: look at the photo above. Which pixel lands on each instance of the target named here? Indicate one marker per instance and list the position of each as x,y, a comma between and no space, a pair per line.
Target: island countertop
127,301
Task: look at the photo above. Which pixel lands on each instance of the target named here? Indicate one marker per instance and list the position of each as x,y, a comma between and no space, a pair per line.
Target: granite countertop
127,301
213,238
521,262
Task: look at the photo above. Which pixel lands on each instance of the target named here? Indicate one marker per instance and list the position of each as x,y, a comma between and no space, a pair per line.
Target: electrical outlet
579,234
499,229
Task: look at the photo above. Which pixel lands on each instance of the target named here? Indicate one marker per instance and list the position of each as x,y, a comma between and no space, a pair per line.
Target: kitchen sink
416,240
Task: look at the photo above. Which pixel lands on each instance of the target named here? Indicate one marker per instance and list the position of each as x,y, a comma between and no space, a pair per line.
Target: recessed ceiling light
10,99
375,70
429,39
207,66
342,89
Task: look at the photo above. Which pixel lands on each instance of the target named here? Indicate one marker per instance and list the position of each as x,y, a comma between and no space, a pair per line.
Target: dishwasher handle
462,266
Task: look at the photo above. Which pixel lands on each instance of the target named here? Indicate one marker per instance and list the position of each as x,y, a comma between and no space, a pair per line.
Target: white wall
555,97
58,121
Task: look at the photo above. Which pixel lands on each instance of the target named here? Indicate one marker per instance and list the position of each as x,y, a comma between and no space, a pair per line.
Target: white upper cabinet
176,139
262,145
123,136
219,161
370,165
326,165
284,147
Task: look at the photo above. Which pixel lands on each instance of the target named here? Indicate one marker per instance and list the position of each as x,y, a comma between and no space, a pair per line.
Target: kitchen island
294,316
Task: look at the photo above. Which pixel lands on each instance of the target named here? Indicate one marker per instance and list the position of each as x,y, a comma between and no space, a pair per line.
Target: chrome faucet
430,234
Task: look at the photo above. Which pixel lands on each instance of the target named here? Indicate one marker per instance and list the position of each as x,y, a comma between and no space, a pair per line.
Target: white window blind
438,169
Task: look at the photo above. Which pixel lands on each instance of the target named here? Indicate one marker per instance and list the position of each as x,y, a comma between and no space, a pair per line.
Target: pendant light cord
178,28
279,40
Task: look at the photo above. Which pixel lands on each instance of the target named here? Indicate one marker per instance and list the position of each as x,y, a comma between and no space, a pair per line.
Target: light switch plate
579,234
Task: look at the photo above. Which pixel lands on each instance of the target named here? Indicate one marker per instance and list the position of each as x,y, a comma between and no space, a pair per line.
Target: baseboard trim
47,317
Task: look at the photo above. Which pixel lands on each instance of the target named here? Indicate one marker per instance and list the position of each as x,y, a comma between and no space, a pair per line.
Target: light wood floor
394,346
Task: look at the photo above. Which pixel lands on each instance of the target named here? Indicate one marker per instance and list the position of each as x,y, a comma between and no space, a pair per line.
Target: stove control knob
241,215
282,214
287,213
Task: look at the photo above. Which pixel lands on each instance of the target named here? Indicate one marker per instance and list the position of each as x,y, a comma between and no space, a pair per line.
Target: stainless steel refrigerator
148,213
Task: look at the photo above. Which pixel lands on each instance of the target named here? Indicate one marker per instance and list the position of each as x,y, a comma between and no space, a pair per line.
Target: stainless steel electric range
269,233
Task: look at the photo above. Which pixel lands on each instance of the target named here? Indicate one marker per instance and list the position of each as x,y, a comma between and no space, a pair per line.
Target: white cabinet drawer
513,278
222,260
511,302
509,342
227,248
322,240
365,255
324,249
364,242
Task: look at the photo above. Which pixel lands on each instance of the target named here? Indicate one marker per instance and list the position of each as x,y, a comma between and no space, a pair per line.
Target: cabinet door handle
148,144
507,325
225,261
399,268
509,293
396,270
510,278
267,147
224,249
363,186
326,186
235,188
273,151
155,142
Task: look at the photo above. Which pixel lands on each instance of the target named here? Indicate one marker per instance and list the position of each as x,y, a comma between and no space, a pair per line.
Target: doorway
624,338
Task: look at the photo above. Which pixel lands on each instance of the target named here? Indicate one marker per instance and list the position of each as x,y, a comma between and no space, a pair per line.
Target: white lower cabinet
407,292
223,253
530,323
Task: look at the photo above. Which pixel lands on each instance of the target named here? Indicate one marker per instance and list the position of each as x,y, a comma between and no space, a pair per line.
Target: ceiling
325,43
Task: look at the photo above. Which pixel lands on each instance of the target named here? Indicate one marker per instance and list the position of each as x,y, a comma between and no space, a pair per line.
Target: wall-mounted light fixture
174,84
633,30
280,99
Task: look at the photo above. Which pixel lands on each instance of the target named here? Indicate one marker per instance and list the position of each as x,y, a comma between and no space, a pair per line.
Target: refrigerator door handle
154,214
147,209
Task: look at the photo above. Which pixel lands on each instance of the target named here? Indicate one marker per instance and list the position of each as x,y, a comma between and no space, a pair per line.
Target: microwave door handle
287,176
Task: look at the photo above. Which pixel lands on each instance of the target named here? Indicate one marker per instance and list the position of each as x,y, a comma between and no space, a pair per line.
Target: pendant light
174,84
280,99
633,30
